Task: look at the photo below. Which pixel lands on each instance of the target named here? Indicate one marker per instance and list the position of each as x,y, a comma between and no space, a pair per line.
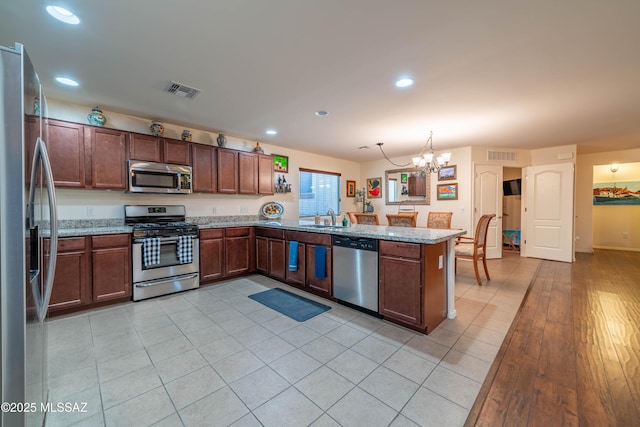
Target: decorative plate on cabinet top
272,210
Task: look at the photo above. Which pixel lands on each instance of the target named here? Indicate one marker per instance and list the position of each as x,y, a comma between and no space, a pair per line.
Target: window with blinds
319,192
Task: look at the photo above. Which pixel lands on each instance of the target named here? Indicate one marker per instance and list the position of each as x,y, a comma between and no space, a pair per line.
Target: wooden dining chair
475,249
367,218
399,220
352,217
439,219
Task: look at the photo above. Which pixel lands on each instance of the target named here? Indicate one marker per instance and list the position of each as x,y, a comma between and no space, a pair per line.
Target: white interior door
548,215
488,200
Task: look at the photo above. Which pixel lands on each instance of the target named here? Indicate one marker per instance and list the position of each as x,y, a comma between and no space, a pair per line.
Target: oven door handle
164,240
161,281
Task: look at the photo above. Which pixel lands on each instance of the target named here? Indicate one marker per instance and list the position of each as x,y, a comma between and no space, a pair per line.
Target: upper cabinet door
177,152
227,171
205,168
144,147
108,157
265,174
247,173
65,143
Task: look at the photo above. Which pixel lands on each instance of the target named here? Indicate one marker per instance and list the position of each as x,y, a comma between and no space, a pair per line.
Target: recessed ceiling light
66,81
322,113
62,14
404,82
271,132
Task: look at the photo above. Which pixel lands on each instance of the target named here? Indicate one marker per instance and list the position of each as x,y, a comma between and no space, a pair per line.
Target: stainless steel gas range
165,250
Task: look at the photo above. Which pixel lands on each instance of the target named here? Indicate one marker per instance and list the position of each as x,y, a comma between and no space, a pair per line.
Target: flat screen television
512,187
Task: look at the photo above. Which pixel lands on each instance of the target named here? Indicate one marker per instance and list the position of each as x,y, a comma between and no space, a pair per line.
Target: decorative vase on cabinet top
96,117
221,140
258,149
186,135
156,128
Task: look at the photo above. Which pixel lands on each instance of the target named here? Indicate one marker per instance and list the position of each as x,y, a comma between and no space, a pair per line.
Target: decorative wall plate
272,210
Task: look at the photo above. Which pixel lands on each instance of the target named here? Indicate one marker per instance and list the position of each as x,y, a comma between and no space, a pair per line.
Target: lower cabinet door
277,264
400,290
296,277
111,273
236,255
211,259
262,255
72,283
322,285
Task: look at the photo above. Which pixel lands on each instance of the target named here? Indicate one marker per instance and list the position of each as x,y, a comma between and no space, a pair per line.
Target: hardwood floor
572,354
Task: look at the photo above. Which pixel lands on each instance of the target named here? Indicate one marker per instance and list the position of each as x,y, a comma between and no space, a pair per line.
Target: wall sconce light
614,167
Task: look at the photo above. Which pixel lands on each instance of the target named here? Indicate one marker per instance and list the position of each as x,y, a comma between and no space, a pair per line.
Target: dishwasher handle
360,243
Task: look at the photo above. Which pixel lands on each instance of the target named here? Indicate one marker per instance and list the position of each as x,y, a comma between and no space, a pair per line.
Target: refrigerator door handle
42,304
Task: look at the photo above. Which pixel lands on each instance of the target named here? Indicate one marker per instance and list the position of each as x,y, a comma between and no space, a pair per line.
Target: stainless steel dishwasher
355,271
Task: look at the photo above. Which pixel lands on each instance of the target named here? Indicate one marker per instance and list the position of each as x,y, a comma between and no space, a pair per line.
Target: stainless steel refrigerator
28,227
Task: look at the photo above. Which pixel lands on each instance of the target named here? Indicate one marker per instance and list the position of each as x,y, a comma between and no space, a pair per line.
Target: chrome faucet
333,216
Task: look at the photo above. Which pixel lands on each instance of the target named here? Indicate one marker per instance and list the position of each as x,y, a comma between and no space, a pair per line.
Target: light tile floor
213,357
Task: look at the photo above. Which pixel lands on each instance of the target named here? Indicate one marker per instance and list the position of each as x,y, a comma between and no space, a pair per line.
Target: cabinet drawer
237,232
110,241
66,244
270,232
400,249
211,233
311,238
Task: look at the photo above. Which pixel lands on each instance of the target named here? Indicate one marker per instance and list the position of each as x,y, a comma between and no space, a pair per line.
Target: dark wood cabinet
270,252
262,254
227,171
111,266
400,288
211,254
239,252
107,168
90,270
65,145
305,276
176,152
205,168
417,185
247,173
321,285
296,277
277,263
161,150
72,282
265,174
412,284
145,148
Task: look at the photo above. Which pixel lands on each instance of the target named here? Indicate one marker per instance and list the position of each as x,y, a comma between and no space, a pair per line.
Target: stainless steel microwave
150,177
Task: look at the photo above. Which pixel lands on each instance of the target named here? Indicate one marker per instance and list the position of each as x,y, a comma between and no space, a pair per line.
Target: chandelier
426,160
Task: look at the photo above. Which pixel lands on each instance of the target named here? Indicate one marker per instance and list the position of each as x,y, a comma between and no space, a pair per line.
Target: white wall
460,208
77,204
584,195
616,226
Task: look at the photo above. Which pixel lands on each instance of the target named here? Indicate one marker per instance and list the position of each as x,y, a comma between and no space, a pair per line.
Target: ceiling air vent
183,90
501,156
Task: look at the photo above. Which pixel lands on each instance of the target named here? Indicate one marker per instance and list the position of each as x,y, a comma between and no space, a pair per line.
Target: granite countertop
381,232
92,231
400,234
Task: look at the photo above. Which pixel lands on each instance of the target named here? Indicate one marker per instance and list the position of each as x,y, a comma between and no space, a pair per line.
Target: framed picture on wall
374,188
280,163
447,191
403,178
351,189
447,173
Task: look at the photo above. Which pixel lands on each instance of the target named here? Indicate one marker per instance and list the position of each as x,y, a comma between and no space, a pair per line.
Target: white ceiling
497,73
